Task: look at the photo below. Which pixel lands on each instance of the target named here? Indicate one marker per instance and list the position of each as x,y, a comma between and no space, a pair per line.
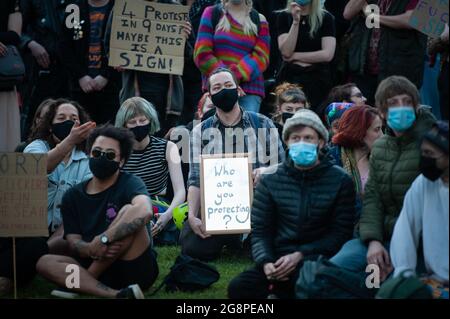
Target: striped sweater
246,55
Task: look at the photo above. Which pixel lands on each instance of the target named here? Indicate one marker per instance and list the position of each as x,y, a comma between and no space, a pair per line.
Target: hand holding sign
227,190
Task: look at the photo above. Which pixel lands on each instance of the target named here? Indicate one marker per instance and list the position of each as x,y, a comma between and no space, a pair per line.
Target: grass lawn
228,266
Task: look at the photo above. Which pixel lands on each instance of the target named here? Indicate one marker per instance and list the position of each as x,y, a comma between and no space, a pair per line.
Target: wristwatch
104,239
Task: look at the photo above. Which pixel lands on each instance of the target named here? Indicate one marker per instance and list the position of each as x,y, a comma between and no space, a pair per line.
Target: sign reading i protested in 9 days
23,195
227,191
148,36
430,17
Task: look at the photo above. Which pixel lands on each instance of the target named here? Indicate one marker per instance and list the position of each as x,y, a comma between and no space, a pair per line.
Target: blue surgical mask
303,154
401,118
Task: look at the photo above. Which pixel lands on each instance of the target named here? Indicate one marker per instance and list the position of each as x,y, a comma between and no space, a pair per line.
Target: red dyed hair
353,126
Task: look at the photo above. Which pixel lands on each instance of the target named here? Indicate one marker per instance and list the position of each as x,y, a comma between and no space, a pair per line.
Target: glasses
110,155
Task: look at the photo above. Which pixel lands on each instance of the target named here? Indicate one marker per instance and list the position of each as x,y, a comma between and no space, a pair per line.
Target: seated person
424,217
305,209
104,223
62,133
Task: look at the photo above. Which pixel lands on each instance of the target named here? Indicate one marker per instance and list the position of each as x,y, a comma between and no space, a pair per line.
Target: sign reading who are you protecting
23,195
148,36
227,191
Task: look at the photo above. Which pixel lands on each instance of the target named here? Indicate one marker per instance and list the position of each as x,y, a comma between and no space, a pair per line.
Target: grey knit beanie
307,118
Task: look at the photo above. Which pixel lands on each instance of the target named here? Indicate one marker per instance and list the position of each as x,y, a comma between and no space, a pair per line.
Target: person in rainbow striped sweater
234,35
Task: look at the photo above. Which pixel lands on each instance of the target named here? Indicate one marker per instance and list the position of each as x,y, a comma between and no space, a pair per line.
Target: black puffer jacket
312,211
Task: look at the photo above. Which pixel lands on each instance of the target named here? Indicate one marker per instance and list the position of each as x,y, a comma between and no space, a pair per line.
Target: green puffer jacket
394,165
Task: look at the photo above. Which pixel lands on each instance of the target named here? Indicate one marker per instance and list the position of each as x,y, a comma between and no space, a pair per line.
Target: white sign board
227,193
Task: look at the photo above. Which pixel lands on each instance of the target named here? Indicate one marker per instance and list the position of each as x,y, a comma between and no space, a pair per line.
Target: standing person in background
234,35
94,84
307,43
10,30
393,49
42,30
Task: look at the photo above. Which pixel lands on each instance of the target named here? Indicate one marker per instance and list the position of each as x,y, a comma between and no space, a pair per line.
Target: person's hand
257,174
97,250
296,11
286,265
40,54
99,83
87,84
187,29
80,133
3,49
161,223
198,227
113,250
378,255
119,69
269,270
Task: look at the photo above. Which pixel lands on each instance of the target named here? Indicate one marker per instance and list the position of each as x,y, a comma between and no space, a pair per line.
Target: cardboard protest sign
430,17
148,36
23,195
226,192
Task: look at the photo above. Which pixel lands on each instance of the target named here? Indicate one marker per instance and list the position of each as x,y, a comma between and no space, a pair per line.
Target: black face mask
286,116
62,130
429,169
102,168
225,99
141,132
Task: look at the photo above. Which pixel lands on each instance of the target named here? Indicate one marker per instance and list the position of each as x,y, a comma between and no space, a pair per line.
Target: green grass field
228,266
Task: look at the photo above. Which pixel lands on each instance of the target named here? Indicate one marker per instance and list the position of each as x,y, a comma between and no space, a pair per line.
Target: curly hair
288,93
43,130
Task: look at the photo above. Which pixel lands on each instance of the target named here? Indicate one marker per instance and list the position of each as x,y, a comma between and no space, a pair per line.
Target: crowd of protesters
355,165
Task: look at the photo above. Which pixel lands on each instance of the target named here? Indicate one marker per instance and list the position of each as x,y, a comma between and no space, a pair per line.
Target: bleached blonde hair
315,15
249,27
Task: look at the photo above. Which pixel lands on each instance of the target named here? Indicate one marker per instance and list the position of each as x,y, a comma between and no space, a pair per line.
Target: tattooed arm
134,218
78,246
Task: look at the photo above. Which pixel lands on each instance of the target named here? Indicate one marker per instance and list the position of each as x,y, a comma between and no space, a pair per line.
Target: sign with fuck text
148,36
23,195
226,193
430,17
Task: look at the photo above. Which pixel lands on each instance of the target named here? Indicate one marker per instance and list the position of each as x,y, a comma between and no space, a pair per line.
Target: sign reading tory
430,17
23,195
226,190
148,36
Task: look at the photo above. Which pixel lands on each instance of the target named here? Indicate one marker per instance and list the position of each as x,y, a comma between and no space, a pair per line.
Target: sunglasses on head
110,155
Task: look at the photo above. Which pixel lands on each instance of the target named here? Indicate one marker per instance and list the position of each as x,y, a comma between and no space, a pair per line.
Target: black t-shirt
304,42
90,215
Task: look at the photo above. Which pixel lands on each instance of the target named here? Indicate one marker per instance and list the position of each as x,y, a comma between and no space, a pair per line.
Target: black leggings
28,252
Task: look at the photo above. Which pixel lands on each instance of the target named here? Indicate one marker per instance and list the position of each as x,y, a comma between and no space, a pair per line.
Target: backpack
189,274
12,68
404,287
321,279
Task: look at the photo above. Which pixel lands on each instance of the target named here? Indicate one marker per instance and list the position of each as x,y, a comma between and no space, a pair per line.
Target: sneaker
130,292
5,286
64,293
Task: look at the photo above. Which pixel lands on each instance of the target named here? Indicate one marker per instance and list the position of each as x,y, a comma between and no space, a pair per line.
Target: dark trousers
102,106
206,249
253,284
443,91
28,252
316,81
51,83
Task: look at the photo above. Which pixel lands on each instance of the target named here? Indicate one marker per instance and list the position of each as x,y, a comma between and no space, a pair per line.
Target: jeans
251,103
353,256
